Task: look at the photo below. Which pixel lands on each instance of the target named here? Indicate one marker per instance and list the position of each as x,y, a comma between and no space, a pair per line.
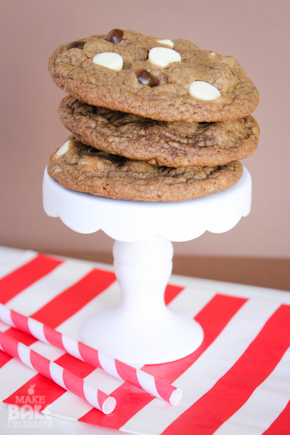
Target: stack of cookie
151,119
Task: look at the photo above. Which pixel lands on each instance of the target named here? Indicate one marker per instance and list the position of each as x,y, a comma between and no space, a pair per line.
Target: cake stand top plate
132,221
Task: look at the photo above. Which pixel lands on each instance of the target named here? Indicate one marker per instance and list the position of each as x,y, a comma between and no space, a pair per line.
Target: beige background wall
256,32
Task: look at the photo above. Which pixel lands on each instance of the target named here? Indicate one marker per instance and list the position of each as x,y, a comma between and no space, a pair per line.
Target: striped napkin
237,382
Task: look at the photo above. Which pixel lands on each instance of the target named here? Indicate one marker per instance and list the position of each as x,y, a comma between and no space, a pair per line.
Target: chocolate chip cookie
155,78
86,169
172,144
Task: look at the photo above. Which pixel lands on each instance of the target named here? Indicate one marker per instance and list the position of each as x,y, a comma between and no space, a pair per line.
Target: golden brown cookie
162,143
154,78
85,169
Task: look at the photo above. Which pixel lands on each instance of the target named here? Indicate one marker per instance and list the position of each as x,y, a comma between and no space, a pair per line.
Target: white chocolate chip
203,90
64,149
166,42
212,53
162,56
109,60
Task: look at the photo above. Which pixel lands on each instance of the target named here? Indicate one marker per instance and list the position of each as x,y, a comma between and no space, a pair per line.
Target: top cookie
154,78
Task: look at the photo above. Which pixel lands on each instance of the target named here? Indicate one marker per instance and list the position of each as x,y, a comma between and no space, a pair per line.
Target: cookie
155,78
86,169
173,144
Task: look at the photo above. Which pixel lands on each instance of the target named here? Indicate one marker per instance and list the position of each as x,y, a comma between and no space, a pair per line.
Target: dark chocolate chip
76,44
145,78
115,36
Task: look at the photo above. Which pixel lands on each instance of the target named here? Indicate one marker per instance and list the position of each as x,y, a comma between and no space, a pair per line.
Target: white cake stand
142,329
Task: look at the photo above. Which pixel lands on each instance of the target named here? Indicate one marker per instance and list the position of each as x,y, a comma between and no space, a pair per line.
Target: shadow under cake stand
142,330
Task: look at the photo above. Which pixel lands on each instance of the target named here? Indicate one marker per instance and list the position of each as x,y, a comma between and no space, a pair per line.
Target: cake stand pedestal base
142,328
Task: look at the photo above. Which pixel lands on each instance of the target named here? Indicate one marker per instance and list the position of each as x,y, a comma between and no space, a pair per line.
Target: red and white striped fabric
238,381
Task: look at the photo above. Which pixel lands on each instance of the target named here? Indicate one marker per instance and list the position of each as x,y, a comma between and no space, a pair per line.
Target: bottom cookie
85,169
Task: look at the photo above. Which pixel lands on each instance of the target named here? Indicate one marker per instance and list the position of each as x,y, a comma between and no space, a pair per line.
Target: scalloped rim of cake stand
131,221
